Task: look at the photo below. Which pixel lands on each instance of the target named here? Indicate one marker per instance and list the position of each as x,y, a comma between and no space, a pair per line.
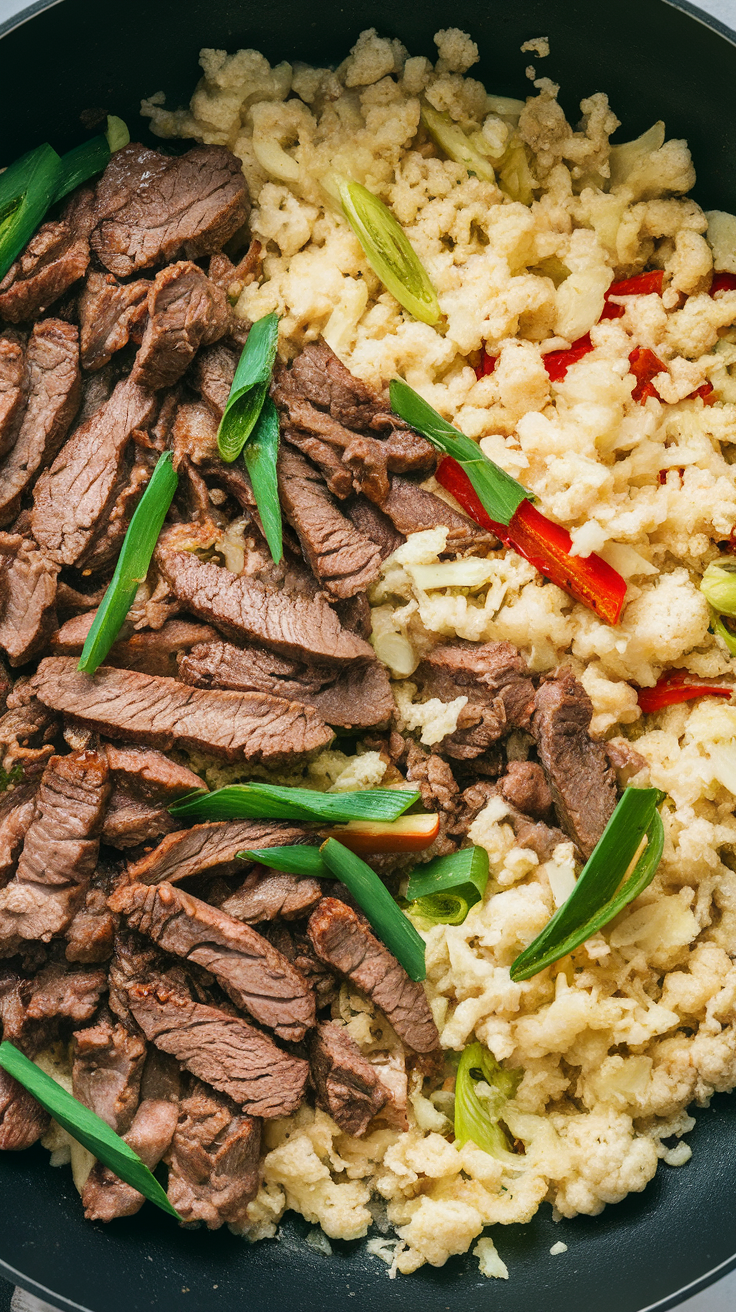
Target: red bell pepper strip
487,364
706,391
678,686
545,545
557,363
645,366
643,284
723,282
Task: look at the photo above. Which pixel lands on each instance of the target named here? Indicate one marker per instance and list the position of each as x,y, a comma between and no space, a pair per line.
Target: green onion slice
607,883
386,918
295,860
389,251
84,1126
499,493
135,557
117,133
82,163
476,1118
445,889
719,627
249,387
261,454
450,138
718,585
259,801
27,188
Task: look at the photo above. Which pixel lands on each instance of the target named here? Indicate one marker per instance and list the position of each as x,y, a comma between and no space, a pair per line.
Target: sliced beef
185,311
37,1011
153,208
625,759
342,940
110,313
243,608
211,847
17,808
13,387
22,1119
195,434
151,651
55,257
59,853
214,1161
348,1088
106,1072
343,559
412,509
293,944
266,894
358,698
252,972
234,277
212,375
151,774
90,936
439,791
105,1196
373,523
131,820
54,393
26,729
73,499
28,616
535,834
494,678
104,551
582,782
525,786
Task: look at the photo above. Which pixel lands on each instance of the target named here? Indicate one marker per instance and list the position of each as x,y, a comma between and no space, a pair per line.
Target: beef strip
185,311
247,966
106,1071
412,509
22,1119
55,257
14,381
151,774
582,782
109,314
525,787
347,1086
28,617
358,698
17,808
149,651
131,820
73,498
375,524
343,559
495,679
211,847
54,392
343,941
625,759
59,853
243,608
212,375
37,1011
214,1161
292,943
439,791
234,277
534,834
266,894
153,208
105,549
194,434
90,936
25,732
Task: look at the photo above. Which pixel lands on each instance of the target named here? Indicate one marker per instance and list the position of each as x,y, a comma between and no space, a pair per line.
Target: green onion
386,918
722,630
257,801
84,1126
599,893
718,585
133,561
500,494
295,860
445,889
249,387
261,454
27,188
450,138
117,133
82,163
476,1118
389,251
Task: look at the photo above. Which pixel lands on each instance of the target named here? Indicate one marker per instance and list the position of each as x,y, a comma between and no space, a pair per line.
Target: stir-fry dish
367,586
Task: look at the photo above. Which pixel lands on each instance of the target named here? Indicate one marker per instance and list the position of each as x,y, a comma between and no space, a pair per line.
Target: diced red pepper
645,366
487,364
678,686
723,282
707,391
643,284
557,363
545,545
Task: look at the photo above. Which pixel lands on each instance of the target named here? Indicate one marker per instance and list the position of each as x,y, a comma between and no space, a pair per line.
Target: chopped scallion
295,860
81,163
450,138
389,251
261,454
249,387
386,918
445,889
27,188
477,1118
259,801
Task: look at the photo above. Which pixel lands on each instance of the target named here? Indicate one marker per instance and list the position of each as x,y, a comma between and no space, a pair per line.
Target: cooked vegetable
718,585
386,918
450,138
645,366
514,175
135,557
259,801
27,188
482,1087
623,863
723,282
84,1126
117,133
625,158
389,251
411,833
260,454
722,630
486,365
679,686
557,363
642,284
295,860
249,387
445,889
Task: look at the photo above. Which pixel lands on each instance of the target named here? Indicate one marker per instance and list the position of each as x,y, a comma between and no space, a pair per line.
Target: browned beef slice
59,852
234,277
436,782
153,208
185,311
28,616
625,759
195,433
266,894
164,713
375,524
412,509
131,820
109,313
290,623
151,774
25,732
152,651
335,472
524,786
89,938
105,1196
214,1160
535,834
105,549
494,678
106,1071
344,942
63,995
210,847
340,556
293,943
54,391
13,387
72,499
582,782
348,1088
55,257
17,808
212,375
22,1119
252,972
359,697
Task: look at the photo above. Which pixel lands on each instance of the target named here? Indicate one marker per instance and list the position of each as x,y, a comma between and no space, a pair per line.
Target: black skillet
656,1248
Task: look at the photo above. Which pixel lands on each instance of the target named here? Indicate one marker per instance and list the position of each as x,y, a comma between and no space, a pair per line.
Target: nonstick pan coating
655,1248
